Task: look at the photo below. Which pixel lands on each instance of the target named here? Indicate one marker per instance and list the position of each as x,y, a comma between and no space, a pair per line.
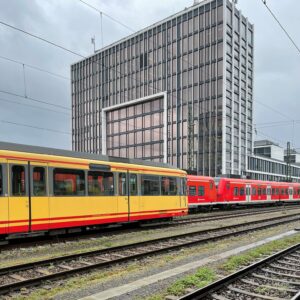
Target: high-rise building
178,91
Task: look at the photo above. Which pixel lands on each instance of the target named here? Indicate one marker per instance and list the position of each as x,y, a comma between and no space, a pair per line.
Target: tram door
248,192
3,197
18,201
291,192
123,196
39,196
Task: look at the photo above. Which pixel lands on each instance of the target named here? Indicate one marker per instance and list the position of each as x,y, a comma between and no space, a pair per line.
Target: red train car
243,191
201,191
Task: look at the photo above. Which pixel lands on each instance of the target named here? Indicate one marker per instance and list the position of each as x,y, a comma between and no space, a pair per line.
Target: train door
269,192
123,196
19,197
39,196
3,198
248,192
291,192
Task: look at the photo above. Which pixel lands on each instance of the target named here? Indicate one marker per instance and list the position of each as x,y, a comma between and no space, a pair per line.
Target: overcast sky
72,24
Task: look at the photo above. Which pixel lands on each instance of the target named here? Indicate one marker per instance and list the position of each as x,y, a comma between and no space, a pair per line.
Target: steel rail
207,292
38,272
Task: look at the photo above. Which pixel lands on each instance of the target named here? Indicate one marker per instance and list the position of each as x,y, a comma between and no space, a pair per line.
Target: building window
39,181
68,182
18,181
150,185
100,183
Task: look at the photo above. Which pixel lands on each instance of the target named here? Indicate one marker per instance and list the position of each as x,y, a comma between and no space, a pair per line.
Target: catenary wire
34,106
34,67
281,26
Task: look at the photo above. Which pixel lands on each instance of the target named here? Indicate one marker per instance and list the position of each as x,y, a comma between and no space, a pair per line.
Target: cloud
72,24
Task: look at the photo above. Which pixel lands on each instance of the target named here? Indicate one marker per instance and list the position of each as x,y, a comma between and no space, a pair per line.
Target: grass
236,262
206,275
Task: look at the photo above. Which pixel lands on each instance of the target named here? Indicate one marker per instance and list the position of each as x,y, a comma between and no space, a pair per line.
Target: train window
169,186
201,191
150,185
254,191
282,191
273,191
39,181
242,191
277,191
122,184
100,183
263,191
18,181
298,192
259,191
236,191
192,191
268,191
211,185
133,184
228,186
68,182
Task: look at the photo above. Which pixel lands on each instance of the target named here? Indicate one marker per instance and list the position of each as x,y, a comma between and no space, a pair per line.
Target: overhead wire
281,26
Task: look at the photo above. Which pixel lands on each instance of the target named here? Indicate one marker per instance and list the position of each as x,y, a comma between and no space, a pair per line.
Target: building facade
178,91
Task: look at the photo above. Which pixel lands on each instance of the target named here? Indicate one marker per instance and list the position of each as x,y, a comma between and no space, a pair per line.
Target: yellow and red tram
44,189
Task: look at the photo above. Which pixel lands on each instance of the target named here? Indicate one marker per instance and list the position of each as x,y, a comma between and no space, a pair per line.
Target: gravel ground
28,254
152,266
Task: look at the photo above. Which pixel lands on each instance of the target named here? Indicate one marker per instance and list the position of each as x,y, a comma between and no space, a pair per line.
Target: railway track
273,278
42,240
31,274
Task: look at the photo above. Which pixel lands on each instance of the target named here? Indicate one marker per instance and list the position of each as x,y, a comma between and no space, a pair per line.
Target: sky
71,24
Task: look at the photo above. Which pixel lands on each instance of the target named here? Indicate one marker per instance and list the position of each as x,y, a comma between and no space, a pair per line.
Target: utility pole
288,162
190,138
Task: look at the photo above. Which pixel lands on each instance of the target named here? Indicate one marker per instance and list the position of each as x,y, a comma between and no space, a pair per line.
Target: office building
179,91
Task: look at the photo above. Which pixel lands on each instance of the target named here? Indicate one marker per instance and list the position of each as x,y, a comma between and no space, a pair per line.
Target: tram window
150,185
236,191
242,192
1,181
122,184
169,186
133,184
254,191
201,190
39,181
192,191
68,182
100,183
18,181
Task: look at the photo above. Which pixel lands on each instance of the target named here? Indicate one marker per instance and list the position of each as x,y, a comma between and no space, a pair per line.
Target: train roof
80,155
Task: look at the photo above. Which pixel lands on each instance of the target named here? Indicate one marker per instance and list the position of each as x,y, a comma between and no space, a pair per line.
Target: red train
207,192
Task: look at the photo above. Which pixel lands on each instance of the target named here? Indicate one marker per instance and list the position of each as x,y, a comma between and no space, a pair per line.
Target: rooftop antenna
93,41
